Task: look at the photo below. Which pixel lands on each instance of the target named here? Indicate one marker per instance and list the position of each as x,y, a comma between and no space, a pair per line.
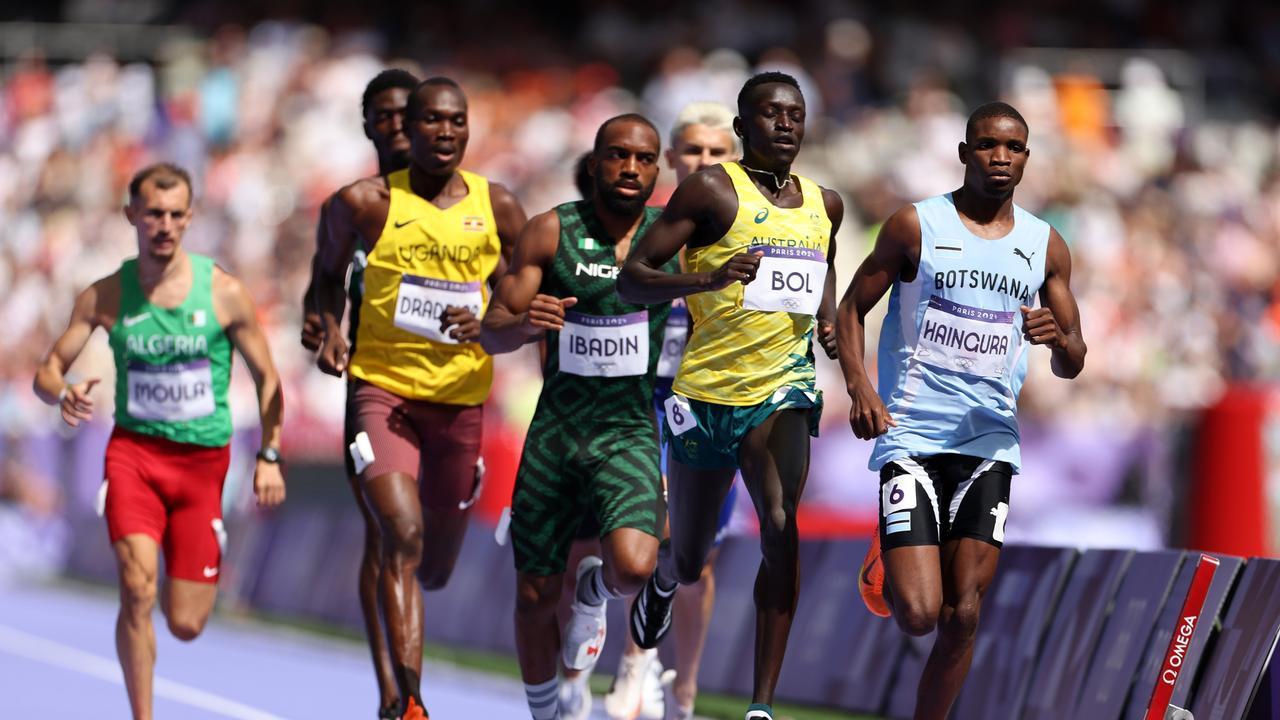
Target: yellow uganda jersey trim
739,356
425,258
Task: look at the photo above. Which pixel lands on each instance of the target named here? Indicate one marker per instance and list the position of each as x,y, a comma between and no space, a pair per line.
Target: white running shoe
584,633
575,698
671,707
625,700
653,701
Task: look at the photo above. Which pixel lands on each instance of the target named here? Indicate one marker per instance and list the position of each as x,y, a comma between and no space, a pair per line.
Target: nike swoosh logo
210,571
131,321
406,223
866,579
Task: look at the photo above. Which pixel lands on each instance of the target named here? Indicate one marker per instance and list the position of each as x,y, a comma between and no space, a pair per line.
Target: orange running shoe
871,580
414,711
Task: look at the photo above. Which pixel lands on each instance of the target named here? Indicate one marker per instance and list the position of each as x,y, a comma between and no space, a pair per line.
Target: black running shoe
651,614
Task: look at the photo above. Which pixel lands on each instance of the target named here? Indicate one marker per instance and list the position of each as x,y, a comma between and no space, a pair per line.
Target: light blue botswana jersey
952,358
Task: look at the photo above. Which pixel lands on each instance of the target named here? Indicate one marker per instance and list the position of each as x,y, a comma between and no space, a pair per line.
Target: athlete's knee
536,599
915,617
688,567
137,591
186,627
402,539
434,572
960,626
629,573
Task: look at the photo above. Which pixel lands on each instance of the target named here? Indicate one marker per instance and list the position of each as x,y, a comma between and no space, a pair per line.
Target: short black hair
992,110
386,80
626,117
414,106
582,176
163,175
764,78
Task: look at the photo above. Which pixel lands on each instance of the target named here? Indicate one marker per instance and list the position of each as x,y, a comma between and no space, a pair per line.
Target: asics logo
762,216
131,321
209,571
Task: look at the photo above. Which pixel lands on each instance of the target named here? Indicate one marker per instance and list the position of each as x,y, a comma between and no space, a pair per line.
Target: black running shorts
930,500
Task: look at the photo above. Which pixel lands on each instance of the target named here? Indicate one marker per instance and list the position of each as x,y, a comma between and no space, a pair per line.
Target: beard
620,205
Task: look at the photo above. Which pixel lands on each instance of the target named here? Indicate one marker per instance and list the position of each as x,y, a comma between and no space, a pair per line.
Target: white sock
592,589
544,699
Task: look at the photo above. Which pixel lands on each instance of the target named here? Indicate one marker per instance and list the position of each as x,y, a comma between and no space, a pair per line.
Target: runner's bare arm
891,256
462,324
312,323
95,306
517,313
1056,322
357,211
826,330
235,307
698,208
511,219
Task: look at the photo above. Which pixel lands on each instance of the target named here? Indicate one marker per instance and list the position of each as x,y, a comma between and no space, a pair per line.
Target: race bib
679,417
966,339
789,280
421,301
170,393
674,337
605,345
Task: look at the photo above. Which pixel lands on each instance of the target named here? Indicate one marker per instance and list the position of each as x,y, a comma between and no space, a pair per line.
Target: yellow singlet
738,355
425,260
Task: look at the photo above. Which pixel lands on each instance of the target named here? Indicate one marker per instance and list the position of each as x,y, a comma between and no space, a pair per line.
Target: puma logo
1019,253
406,223
131,321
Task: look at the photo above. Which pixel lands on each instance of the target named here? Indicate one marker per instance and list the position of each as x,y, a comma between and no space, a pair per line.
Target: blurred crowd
1169,201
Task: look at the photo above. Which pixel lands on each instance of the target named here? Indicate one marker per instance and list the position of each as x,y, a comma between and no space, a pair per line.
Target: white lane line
34,647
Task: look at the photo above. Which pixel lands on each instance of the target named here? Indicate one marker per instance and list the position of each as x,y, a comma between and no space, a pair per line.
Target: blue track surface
57,659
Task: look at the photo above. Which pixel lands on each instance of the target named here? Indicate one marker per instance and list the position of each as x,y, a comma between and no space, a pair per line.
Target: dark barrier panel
828,594
1138,602
91,557
1145,679
1074,633
472,592
1243,647
1015,616
915,652
291,564
731,637
864,649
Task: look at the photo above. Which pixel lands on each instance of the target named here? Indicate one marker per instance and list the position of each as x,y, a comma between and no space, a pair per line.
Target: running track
57,659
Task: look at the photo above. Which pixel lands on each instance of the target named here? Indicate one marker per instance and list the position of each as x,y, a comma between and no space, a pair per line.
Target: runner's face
995,156
772,127
698,147
384,124
626,166
439,133
160,216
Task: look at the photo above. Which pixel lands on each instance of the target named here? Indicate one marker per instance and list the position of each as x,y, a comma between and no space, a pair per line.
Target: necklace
776,183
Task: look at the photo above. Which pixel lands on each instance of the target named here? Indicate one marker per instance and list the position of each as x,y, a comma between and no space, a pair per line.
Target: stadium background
1155,152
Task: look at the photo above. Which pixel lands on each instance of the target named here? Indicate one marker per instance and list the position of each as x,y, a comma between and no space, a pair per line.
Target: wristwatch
269,454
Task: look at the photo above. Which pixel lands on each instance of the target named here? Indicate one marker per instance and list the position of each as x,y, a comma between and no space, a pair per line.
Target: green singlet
592,446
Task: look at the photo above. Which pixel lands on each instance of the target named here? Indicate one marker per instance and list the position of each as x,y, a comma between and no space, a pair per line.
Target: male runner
702,137
382,106
964,269
591,447
172,318
433,235
745,396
